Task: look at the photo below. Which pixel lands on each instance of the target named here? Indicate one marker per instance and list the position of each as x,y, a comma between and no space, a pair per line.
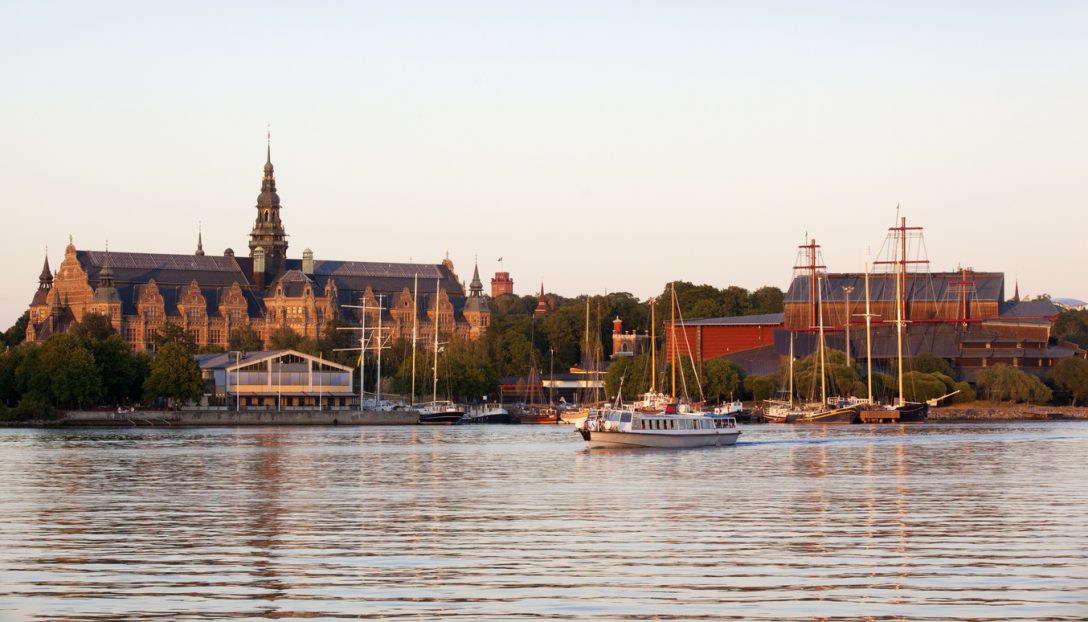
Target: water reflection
917,522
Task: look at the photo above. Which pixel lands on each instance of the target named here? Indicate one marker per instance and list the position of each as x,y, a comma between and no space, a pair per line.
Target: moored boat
439,413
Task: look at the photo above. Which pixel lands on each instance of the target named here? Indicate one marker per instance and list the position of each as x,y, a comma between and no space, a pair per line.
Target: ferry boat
614,427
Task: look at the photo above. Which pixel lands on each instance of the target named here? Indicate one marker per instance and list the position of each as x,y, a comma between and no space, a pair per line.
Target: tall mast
434,395
362,352
820,309
378,386
791,369
415,327
899,295
587,356
653,347
672,352
868,331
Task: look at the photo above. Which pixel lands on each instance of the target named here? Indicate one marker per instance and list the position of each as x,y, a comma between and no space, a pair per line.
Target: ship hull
663,441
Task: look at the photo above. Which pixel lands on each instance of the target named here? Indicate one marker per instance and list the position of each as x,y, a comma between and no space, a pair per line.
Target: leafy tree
762,387
469,375
172,333
93,327
920,386
736,301
966,393
1072,326
174,375
1071,375
211,348
928,363
65,373
767,299
840,378
244,339
722,380
1005,384
120,373
10,391
284,338
634,372
17,333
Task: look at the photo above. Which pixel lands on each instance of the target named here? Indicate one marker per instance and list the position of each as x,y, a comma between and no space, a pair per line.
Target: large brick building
211,297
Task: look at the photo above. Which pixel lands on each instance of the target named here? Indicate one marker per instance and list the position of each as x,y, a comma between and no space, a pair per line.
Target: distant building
542,307
627,344
501,284
275,380
213,297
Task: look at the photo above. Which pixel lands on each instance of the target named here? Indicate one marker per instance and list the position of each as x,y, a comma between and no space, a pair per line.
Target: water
932,522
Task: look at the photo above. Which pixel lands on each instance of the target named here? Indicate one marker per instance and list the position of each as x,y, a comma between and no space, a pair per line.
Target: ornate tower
477,313
541,304
268,233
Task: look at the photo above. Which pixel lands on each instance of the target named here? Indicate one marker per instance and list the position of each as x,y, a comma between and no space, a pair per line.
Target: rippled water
517,522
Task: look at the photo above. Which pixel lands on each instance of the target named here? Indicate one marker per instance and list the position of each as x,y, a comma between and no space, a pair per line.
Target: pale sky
596,146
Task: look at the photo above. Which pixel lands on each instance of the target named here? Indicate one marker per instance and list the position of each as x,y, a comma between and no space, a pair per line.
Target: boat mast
378,386
653,347
791,369
437,293
820,311
415,331
672,352
868,330
586,356
362,352
899,294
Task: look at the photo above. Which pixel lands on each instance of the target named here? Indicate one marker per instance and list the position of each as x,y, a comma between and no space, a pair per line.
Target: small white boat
629,428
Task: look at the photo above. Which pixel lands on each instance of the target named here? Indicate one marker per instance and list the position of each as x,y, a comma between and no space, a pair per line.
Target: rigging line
691,356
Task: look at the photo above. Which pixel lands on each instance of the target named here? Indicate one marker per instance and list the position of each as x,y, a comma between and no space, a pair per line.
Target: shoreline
989,411
218,418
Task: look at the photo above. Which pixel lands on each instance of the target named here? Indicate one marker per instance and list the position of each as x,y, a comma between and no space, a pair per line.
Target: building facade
213,297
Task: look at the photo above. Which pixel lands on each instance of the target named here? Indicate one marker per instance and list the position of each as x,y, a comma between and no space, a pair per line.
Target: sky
594,146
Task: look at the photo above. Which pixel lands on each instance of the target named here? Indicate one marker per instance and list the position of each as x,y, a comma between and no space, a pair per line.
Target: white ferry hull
714,438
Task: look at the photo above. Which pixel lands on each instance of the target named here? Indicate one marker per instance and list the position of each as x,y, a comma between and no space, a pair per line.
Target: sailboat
590,398
833,410
902,411
438,412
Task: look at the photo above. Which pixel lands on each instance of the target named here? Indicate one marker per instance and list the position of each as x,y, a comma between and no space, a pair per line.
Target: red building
710,338
501,284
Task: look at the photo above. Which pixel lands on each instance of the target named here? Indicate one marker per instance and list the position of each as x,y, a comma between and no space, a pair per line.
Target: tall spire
45,280
1016,291
199,242
268,232
476,287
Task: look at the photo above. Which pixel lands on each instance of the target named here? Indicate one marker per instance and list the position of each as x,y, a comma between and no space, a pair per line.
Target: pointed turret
199,243
106,291
268,232
477,311
476,287
1016,291
45,279
541,303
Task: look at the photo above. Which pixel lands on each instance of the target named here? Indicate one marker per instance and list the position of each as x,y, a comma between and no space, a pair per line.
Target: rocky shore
169,418
990,411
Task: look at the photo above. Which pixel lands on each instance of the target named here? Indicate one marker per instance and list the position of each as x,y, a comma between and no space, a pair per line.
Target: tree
920,386
120,373
17,333
1072,326
174,375
1071,375
761,387
93,327
722,380
634,372
928,363
284,338
65,373
1005,384
840,378
172,333
245,339
767,299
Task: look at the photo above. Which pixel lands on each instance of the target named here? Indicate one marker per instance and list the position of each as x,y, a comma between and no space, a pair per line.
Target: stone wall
987,411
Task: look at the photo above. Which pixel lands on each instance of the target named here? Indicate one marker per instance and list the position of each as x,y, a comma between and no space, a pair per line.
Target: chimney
617,326
308,261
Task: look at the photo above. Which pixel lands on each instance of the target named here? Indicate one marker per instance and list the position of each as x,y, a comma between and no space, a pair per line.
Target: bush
1071,376
966,393
1002,383
921,386
32,409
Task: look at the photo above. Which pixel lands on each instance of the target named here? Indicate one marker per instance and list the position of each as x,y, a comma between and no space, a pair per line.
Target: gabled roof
234,360
766,319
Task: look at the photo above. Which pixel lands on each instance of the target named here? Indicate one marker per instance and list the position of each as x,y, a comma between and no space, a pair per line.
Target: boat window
625,418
